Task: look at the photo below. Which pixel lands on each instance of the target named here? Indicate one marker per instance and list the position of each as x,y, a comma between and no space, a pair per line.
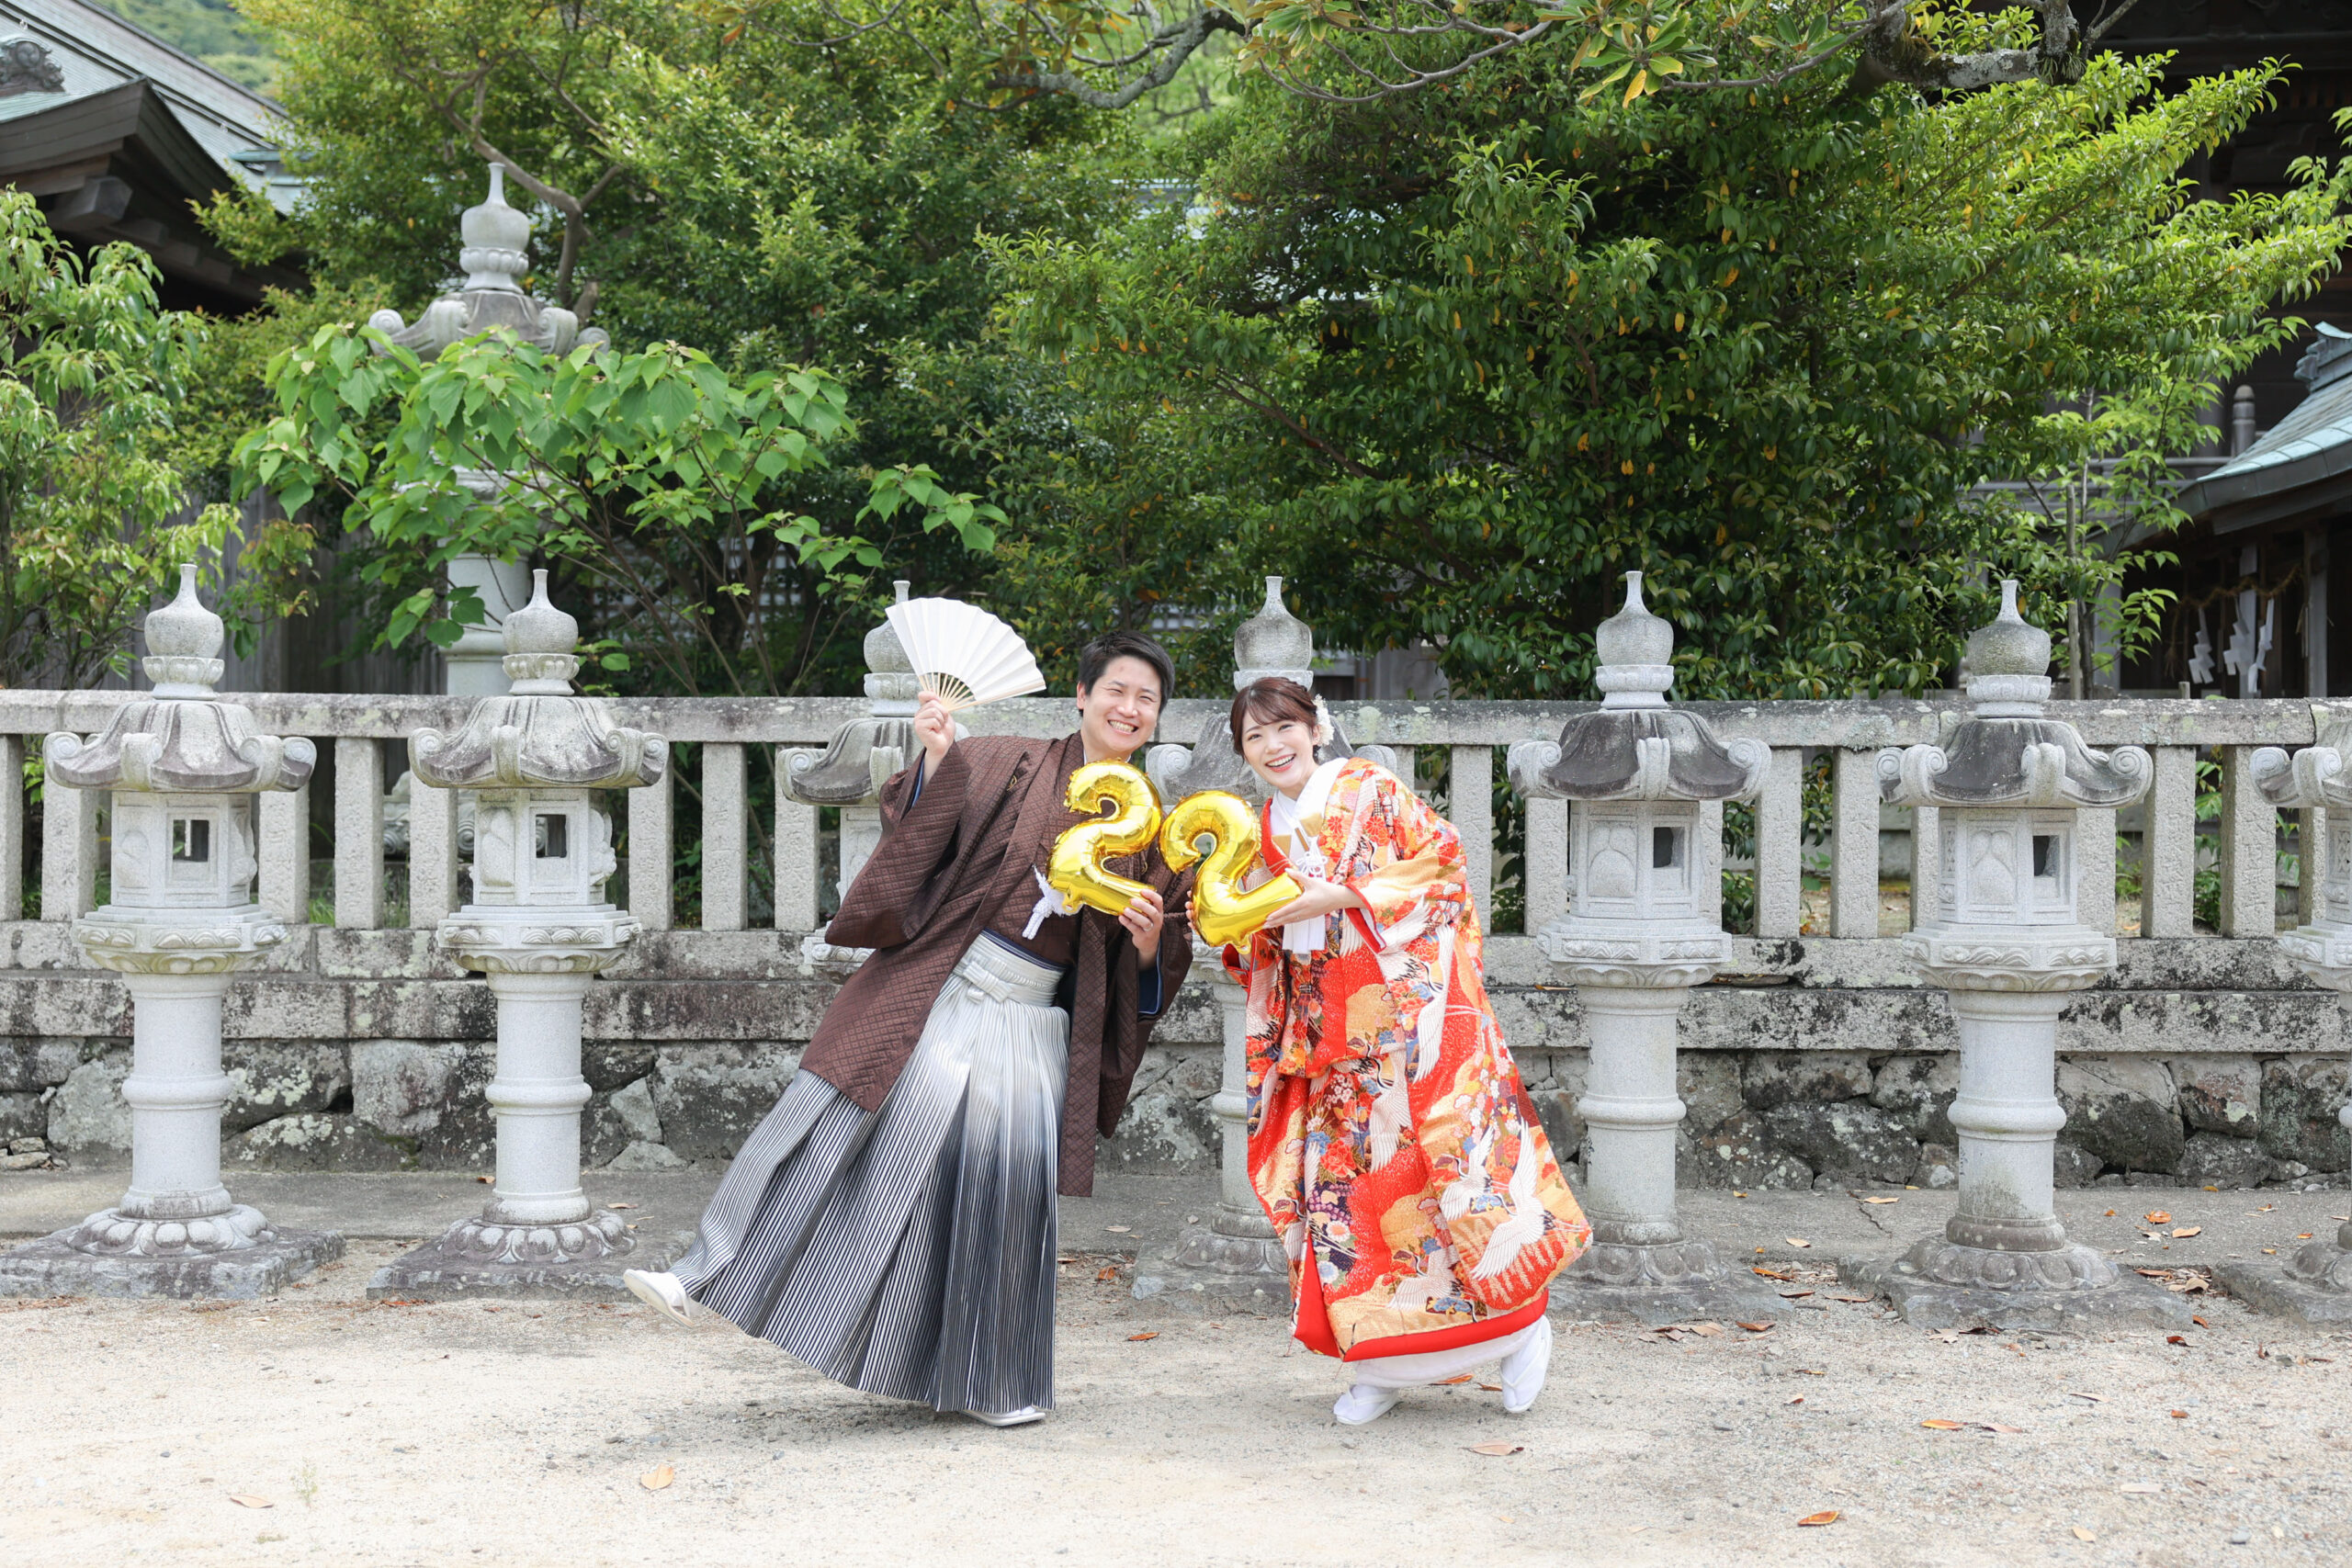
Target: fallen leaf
1937,1424
2186,1231
2154,1273
2269,1252
1108,1271
1756,1327
2141,1488
2109,1214
2094,1398
2304,1236
1492,1387
654,1480
2180,1414
1794,1295
1504,1517
1854,1299
2082,1534
1996,1427
1118,1230
2158,1217
1794,1399
1711,1330
1498,1448
1882,1200
1772,1273
2262,1352
247,1500
1448,1382
1796,1241
1152,1334
2176,1339
2200,1323
620,1205
1736,1195
2264,1210
1826,1516
1065,1259
485,1180
1637,1529
1814,1371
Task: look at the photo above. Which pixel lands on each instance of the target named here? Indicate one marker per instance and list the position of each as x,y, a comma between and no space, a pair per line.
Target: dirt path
469,1434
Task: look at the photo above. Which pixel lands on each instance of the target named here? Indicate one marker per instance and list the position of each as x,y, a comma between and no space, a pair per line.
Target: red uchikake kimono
1390,1139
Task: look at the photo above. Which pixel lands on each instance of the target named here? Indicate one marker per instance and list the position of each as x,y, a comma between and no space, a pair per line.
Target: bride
1390,1140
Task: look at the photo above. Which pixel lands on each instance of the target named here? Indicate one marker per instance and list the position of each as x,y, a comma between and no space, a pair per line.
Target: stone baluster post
184,767
2008,945
539,929
1641,931
2314,1286
1233,1262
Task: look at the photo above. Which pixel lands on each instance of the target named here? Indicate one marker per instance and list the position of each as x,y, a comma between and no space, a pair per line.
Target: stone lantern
2315,1286
496,256
850,773
2008,946
1642,929
1233,1262
182,767
539,930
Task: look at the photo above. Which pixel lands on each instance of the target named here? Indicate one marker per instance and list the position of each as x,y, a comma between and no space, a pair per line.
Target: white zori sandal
1021,1417
1364,1403
660,1292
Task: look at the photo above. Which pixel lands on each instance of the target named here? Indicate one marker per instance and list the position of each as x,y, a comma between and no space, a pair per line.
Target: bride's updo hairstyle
1271,700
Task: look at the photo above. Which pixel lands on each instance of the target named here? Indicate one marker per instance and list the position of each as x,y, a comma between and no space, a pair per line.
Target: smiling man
892,1221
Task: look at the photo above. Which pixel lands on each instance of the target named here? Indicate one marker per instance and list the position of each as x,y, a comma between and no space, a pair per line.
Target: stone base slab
1210,1274
2268,1289
440,1271
50,1268
2128,1302
1655,1306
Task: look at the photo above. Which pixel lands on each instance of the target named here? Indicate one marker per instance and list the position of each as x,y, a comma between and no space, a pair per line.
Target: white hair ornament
1323,731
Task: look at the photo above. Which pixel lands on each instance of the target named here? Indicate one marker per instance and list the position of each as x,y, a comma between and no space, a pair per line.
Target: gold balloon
1075,868
1222,912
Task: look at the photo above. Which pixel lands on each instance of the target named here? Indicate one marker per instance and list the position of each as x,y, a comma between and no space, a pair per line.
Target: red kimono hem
1312,1327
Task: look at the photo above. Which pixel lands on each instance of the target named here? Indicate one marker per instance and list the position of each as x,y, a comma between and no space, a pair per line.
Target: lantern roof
540,734
181,738
496,256
1636,746
2007,753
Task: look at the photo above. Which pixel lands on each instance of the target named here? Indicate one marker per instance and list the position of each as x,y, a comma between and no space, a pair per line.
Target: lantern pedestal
1234,1263
1640,1267
177,1232
2004,1258
2313,1288
538,1238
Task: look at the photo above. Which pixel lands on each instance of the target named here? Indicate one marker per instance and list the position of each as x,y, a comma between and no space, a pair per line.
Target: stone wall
2203,1063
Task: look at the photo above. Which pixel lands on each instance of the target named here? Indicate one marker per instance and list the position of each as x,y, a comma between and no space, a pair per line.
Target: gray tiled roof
2311,444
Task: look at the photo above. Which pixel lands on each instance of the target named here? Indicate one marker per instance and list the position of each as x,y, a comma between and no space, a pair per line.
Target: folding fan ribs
962,654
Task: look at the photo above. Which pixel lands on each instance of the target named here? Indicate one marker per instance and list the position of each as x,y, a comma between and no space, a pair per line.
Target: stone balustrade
1813,1058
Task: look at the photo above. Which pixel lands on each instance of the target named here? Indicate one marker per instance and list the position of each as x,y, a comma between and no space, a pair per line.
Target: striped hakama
909,1251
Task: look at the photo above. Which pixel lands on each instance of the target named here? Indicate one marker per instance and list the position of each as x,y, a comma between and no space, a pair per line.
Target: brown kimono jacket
940,871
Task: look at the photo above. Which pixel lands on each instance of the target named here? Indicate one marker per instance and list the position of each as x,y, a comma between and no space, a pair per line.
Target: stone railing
1817,1055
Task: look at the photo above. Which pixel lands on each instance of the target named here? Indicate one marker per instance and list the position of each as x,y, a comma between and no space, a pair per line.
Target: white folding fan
964,654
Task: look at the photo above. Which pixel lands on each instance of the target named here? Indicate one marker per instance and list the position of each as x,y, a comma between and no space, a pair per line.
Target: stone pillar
2314,1286
540,931
1233,1262
184,768
1643,926
2008,945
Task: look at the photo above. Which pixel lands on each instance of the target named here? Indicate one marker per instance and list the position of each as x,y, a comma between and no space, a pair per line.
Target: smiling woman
1390,1138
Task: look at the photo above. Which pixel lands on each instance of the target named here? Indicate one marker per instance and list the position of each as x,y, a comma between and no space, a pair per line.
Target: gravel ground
528,1434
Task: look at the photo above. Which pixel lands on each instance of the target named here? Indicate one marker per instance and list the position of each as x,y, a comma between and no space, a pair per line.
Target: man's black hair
1096,657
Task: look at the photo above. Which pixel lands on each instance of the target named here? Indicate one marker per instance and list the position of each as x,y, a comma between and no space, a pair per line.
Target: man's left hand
1142,917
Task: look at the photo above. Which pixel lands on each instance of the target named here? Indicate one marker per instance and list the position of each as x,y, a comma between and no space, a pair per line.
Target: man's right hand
935,727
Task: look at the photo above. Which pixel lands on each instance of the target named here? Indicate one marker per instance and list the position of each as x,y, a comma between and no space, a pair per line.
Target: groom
892,1221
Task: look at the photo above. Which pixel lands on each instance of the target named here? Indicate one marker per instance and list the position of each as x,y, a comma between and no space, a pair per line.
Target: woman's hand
1319,899
935,727
1142,917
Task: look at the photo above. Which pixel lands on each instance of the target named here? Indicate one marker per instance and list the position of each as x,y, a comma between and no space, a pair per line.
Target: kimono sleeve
1419,879
900,883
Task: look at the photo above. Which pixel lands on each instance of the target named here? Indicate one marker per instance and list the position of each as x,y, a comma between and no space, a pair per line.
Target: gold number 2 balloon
1075,868
1222,912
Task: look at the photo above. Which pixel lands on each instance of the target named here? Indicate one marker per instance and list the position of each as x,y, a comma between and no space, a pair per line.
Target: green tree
1480,349
94,520
705,179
